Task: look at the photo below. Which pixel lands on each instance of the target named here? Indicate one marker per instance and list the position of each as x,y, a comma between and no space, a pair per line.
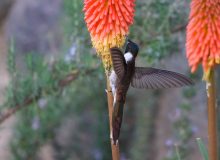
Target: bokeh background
46,58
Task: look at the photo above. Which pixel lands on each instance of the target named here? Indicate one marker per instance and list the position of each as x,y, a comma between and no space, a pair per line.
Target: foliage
182,127
202,149
51,103
158,24
83,102
143,127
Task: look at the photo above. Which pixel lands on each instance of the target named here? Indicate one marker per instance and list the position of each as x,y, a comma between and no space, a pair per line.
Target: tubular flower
108,22
203,35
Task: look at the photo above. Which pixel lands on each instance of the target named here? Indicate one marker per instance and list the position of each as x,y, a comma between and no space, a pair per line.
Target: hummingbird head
132,48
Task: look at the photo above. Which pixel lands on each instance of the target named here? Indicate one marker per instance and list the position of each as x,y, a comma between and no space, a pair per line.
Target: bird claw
111,136
108,91
116,142
113,142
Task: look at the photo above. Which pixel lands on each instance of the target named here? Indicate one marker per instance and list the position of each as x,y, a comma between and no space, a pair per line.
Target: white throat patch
128,57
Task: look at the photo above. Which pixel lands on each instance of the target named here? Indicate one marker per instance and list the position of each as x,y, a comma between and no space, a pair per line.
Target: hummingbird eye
129,47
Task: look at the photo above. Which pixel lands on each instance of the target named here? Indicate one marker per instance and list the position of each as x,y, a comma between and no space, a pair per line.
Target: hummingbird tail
117,120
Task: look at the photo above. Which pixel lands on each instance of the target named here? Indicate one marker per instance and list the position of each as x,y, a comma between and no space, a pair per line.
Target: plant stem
115,148
212,117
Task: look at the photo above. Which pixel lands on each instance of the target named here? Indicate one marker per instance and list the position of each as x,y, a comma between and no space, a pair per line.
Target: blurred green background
45,42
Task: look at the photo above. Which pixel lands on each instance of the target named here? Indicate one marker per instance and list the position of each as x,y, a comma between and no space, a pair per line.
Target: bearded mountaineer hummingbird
125,73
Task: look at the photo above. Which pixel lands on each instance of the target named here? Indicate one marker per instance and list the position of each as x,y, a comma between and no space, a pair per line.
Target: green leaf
177,153
11,57
202,149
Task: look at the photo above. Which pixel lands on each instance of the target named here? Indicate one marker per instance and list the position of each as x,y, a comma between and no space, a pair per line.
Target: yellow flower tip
103,49
108,22
206,75
203,35
207,69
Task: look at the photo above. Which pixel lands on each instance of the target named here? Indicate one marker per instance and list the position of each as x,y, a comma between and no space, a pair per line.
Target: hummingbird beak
129,41
126,41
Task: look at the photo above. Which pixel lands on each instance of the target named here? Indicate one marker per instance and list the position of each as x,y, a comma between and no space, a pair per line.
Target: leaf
177,153
202,149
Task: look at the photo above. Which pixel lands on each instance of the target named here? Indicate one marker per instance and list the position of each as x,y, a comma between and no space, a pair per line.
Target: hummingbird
125,73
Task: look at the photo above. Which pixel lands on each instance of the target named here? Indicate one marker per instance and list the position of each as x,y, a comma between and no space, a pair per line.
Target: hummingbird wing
152,78
118,60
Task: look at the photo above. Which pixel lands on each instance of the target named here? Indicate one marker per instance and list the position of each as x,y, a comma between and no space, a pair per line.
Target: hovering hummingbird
125,73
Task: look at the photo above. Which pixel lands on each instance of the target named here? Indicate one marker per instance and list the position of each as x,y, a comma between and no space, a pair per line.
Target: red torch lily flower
108,22
203,35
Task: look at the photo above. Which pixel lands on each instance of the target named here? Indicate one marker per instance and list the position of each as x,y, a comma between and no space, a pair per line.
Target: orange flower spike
108,22
203,35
